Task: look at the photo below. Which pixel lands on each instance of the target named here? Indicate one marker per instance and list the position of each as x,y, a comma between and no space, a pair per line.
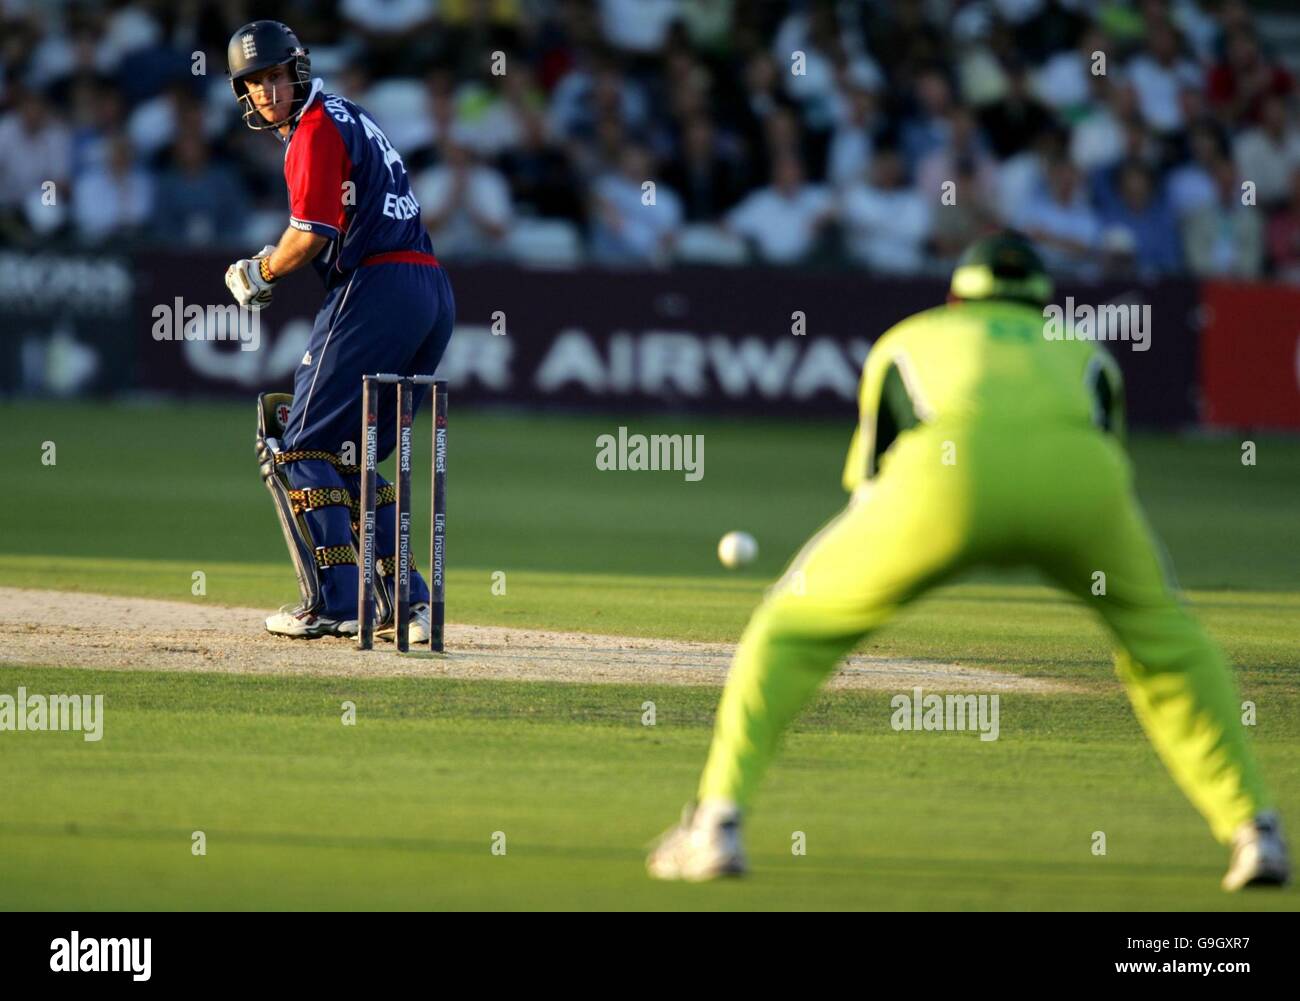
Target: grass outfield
180,484
399,811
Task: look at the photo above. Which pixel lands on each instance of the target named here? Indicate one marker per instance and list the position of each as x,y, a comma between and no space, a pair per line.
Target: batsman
983,442
388,307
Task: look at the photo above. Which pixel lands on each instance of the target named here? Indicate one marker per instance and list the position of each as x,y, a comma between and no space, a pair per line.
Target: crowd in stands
1147,138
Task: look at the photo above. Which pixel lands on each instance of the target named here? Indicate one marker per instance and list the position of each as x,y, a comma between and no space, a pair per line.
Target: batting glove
246,284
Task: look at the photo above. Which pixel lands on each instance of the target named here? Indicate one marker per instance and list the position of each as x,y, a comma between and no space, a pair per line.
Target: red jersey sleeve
316,165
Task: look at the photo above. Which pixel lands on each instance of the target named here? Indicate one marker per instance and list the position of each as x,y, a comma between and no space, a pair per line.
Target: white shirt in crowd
638,25
1098,141
105,203
388,16
485,196
1065,81
886,228
1191,189
1267,161
1159,89
817,81
849,156
783,226
1074,221
28,161
642,228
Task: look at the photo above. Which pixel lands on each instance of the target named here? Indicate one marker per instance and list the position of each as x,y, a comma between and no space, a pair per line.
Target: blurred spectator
116,199
637,25
762,99
1012,123
905,34
1100,139
434,123
1239,84
1284,236
1066,81
927,128
97,113
465,205
1063,223
965,147
406,108
686,88
1198,23
35,150
1132,203
709,23
128,29
399,36
990,94
153,124
1268,152
586,96
1191,184
625,229
785,219
956,225
782,137
198,202
474,29
708,182
813,31
146,72
1023,177
1225,239
1195,108
886,222
852,143
504,15
541,177
491,121
388,18
59,62
1042,27
602,152
1159,74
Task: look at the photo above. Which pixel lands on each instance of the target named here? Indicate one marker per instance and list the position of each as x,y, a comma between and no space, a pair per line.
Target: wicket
437,522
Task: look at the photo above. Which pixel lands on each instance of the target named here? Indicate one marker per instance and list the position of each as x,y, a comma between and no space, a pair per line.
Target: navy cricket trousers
388,317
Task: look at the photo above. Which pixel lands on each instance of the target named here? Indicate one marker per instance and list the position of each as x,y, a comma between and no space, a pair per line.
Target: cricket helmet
1003,265
258,46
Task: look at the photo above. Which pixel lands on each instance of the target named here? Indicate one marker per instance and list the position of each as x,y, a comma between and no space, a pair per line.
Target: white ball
735,549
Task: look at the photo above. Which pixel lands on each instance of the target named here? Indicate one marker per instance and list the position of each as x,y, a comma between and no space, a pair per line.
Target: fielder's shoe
705,845
418,632
300,624
1259,856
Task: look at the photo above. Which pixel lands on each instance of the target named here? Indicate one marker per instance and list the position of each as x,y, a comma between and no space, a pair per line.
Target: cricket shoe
704,846
417,631
300,624
1259,856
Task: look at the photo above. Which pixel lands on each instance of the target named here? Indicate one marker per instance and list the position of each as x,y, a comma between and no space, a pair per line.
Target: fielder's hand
246,284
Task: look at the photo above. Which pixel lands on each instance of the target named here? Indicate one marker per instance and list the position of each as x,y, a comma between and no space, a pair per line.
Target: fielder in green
983,442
